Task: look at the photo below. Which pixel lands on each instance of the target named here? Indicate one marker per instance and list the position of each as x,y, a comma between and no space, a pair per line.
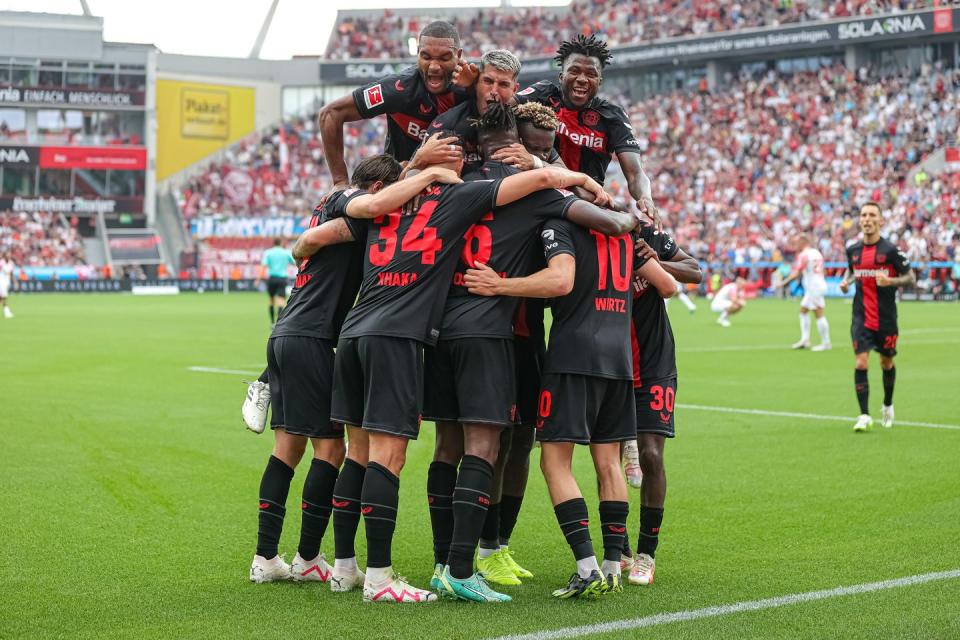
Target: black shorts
655,403
301,377
276,287
866,340
585,409
529,358
470,380
378,384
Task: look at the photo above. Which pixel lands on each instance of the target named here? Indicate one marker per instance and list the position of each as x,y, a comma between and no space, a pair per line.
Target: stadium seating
40,239
536,31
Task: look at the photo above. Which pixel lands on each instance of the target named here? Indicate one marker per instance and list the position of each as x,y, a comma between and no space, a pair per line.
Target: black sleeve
336,207
621,131
382,96
637,260
900,261
849,259
663,243
534,93
475,198
557,239
548,203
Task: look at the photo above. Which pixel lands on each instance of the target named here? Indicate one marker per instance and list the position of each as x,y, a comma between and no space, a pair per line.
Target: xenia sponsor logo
582,139
887,26
870,273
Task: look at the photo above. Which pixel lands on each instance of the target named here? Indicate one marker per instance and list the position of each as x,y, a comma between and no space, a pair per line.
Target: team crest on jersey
526,91
373,96
591,118
426,109
881,259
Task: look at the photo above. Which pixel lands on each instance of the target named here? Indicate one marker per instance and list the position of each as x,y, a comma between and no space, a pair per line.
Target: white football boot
826,346
263,570
802,344
864,422
886,416
723,322
7,313
346,578
642,570
255,406
316,570
395,589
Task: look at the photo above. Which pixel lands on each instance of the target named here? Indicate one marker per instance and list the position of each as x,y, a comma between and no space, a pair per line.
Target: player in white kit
684,298
728,301
809,267
6,283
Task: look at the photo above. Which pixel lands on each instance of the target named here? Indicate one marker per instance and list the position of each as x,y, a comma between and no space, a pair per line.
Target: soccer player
809,267
273,268
586,392
591,128
878,267
469,389
378,378
729,301
300,364
655,391
6,284
684,298
411,99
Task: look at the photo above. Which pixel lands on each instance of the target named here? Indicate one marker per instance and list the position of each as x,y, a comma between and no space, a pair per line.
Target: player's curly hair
497,118
590,46
539,115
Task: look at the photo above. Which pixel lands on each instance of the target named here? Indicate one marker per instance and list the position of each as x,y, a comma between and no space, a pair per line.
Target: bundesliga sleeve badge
373,96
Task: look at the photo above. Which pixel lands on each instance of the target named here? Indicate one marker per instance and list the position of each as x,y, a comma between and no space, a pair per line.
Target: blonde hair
539,115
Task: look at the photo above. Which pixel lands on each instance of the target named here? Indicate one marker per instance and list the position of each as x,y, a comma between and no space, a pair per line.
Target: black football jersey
587,138
409,106
591,325
875,308
651,336
460,120
409,261
328,281
501,239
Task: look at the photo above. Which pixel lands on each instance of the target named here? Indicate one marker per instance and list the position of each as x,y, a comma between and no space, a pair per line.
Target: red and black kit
587,389
409,106
874,326
300,350
654,353
587,138
409,261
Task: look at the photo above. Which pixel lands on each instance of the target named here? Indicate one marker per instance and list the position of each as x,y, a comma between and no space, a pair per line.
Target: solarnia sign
887,26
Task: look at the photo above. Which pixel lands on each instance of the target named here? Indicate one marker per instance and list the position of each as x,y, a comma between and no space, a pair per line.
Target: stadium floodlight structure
264,29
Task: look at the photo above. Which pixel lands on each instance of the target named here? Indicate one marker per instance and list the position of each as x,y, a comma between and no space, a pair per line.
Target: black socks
509,511
317,493
441,481
862,386
346,508
490,534
379,499
889,378
274,487
575,523
650,520
613,523
471,498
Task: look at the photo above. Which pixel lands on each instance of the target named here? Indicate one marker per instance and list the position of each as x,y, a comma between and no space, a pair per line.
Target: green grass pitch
130,486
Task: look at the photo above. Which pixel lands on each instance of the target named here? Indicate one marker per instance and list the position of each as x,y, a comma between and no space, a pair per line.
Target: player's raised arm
652,272
523,184
684,268
606,221
330,122
397,194
312,240
554,281
638,183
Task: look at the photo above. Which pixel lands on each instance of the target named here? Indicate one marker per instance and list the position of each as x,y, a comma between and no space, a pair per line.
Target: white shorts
813,300
719,305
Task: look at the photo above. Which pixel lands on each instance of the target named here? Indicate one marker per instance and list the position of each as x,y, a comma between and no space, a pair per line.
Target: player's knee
521,444
886,362
651,460
359,446
449,444
862,361
289,448
330,450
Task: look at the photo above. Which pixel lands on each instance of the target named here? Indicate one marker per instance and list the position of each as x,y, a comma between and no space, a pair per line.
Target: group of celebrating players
420,294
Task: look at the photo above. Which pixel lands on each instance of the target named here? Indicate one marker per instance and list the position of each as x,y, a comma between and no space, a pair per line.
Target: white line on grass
737,607
786,347
230,371
808,416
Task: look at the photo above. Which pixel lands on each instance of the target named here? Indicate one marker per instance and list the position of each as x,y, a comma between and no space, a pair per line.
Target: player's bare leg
441,482
380,499
346,511
613,509
889,379
652,497
823,328
556,460
862,385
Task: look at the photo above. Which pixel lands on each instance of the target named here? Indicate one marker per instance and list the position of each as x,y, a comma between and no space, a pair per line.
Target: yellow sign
195,120
205,114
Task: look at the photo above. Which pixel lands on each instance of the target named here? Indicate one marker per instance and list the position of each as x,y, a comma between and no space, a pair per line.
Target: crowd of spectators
536,31
40,239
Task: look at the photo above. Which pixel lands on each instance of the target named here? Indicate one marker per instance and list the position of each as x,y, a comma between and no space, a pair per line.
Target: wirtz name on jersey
613,305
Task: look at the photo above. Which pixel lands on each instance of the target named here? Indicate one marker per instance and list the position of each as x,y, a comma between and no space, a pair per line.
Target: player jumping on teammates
273,268
587,389
878,267
300,364
809,267
729,301
6,284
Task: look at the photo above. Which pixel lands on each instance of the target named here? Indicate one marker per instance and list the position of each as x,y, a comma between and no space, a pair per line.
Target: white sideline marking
737,607
809,416
230,371
786,347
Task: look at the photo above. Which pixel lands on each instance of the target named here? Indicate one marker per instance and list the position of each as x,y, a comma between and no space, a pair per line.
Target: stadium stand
40,239
534,31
